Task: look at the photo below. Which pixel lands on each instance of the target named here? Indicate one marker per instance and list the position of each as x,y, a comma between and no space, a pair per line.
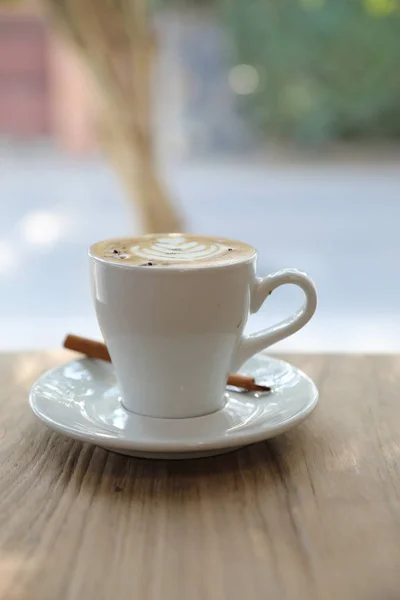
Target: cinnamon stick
91,348
94,349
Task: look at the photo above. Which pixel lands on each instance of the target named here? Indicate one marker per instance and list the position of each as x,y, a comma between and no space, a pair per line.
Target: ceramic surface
174,333
82,399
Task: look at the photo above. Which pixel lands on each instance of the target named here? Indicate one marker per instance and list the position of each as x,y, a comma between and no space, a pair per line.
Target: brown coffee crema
173,250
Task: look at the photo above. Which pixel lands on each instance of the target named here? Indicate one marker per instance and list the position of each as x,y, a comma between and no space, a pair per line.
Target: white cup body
172,333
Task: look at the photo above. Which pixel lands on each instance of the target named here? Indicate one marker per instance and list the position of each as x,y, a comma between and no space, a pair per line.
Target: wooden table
313,515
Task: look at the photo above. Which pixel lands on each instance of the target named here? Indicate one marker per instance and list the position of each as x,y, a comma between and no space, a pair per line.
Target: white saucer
81,399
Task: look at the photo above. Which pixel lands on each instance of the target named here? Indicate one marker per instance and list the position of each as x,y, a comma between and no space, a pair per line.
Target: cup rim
174,268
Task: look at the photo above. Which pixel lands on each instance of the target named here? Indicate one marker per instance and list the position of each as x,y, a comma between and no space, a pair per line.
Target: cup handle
263,286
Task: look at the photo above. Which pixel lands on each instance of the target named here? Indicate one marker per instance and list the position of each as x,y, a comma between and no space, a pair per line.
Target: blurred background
276,123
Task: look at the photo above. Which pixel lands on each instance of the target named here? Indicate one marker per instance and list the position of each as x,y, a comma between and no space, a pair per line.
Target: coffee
173,250
172,309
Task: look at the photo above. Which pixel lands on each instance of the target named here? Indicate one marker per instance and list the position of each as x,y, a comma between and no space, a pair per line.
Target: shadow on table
89,469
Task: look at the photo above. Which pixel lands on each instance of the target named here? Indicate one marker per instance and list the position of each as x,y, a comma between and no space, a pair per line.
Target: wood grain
313,514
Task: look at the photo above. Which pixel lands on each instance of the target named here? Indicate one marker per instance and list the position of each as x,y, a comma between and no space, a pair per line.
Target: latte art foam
179,249
172,250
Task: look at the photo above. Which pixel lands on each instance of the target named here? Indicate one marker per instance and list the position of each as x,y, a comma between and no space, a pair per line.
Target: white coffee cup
174,333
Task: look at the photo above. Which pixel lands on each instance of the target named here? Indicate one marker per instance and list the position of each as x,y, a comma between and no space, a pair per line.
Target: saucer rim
238,439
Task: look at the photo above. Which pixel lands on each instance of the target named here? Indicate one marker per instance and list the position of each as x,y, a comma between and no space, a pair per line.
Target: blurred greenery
327,69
